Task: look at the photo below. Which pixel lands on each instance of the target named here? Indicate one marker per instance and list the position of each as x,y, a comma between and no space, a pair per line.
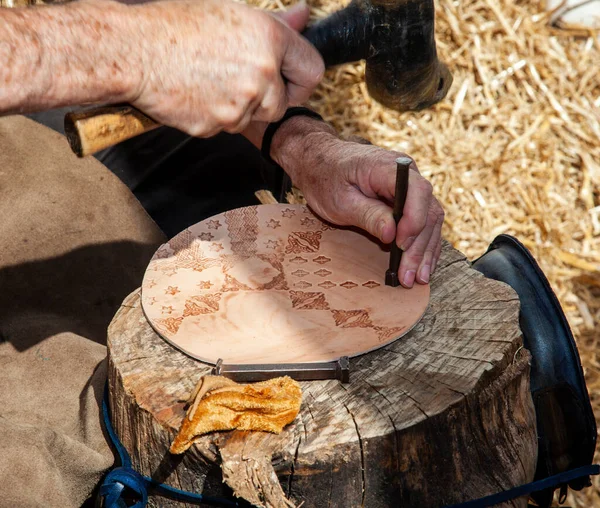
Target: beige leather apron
73,243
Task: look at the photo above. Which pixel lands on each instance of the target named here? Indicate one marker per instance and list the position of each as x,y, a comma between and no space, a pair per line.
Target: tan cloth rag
73,243
218,403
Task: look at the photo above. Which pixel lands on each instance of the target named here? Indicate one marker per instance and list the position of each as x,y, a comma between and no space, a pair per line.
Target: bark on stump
442,415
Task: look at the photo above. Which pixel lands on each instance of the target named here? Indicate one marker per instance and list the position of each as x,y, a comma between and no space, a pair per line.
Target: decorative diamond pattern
352,318
327,284
303,284
198,305
303,241
308,301
298,260
371,284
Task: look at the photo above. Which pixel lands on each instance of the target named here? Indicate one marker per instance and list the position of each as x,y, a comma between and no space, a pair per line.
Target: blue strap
125,477
118,479
528,488
114,484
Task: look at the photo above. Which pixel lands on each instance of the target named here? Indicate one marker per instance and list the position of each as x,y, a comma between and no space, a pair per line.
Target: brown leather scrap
218,403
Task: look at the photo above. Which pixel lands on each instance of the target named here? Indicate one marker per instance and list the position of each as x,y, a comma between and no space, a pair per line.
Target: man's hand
201,66
353,184
216,65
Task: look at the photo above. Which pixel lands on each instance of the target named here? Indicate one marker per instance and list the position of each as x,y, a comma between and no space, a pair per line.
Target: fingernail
424,274
407,243
409,278
298,6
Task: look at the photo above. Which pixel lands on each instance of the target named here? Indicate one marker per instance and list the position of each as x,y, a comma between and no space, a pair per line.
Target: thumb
296,17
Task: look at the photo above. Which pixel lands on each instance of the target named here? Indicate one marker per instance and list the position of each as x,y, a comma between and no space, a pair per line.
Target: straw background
514,148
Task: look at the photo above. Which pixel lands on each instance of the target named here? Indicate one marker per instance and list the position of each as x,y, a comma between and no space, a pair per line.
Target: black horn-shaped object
397,40
565,421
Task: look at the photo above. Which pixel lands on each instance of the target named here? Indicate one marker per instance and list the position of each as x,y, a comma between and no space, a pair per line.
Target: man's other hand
353,184
216,65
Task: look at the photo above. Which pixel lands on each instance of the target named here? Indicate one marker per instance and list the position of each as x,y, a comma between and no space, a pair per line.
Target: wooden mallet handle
95,129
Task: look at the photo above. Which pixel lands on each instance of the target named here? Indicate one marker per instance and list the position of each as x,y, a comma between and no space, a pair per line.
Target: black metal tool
402,169
298,371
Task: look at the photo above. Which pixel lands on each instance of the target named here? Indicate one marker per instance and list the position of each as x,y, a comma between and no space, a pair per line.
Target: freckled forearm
65,55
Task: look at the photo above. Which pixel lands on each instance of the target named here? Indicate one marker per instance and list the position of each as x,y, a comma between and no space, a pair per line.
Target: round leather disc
275,284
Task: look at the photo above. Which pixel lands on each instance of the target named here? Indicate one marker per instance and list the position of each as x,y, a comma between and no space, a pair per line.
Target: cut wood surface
440,416
275,284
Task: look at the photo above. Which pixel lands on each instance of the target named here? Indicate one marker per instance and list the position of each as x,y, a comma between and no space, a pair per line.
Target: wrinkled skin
220,65
200,66
352,184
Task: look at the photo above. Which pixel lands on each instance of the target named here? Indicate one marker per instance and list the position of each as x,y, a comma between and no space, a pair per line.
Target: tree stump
442,415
